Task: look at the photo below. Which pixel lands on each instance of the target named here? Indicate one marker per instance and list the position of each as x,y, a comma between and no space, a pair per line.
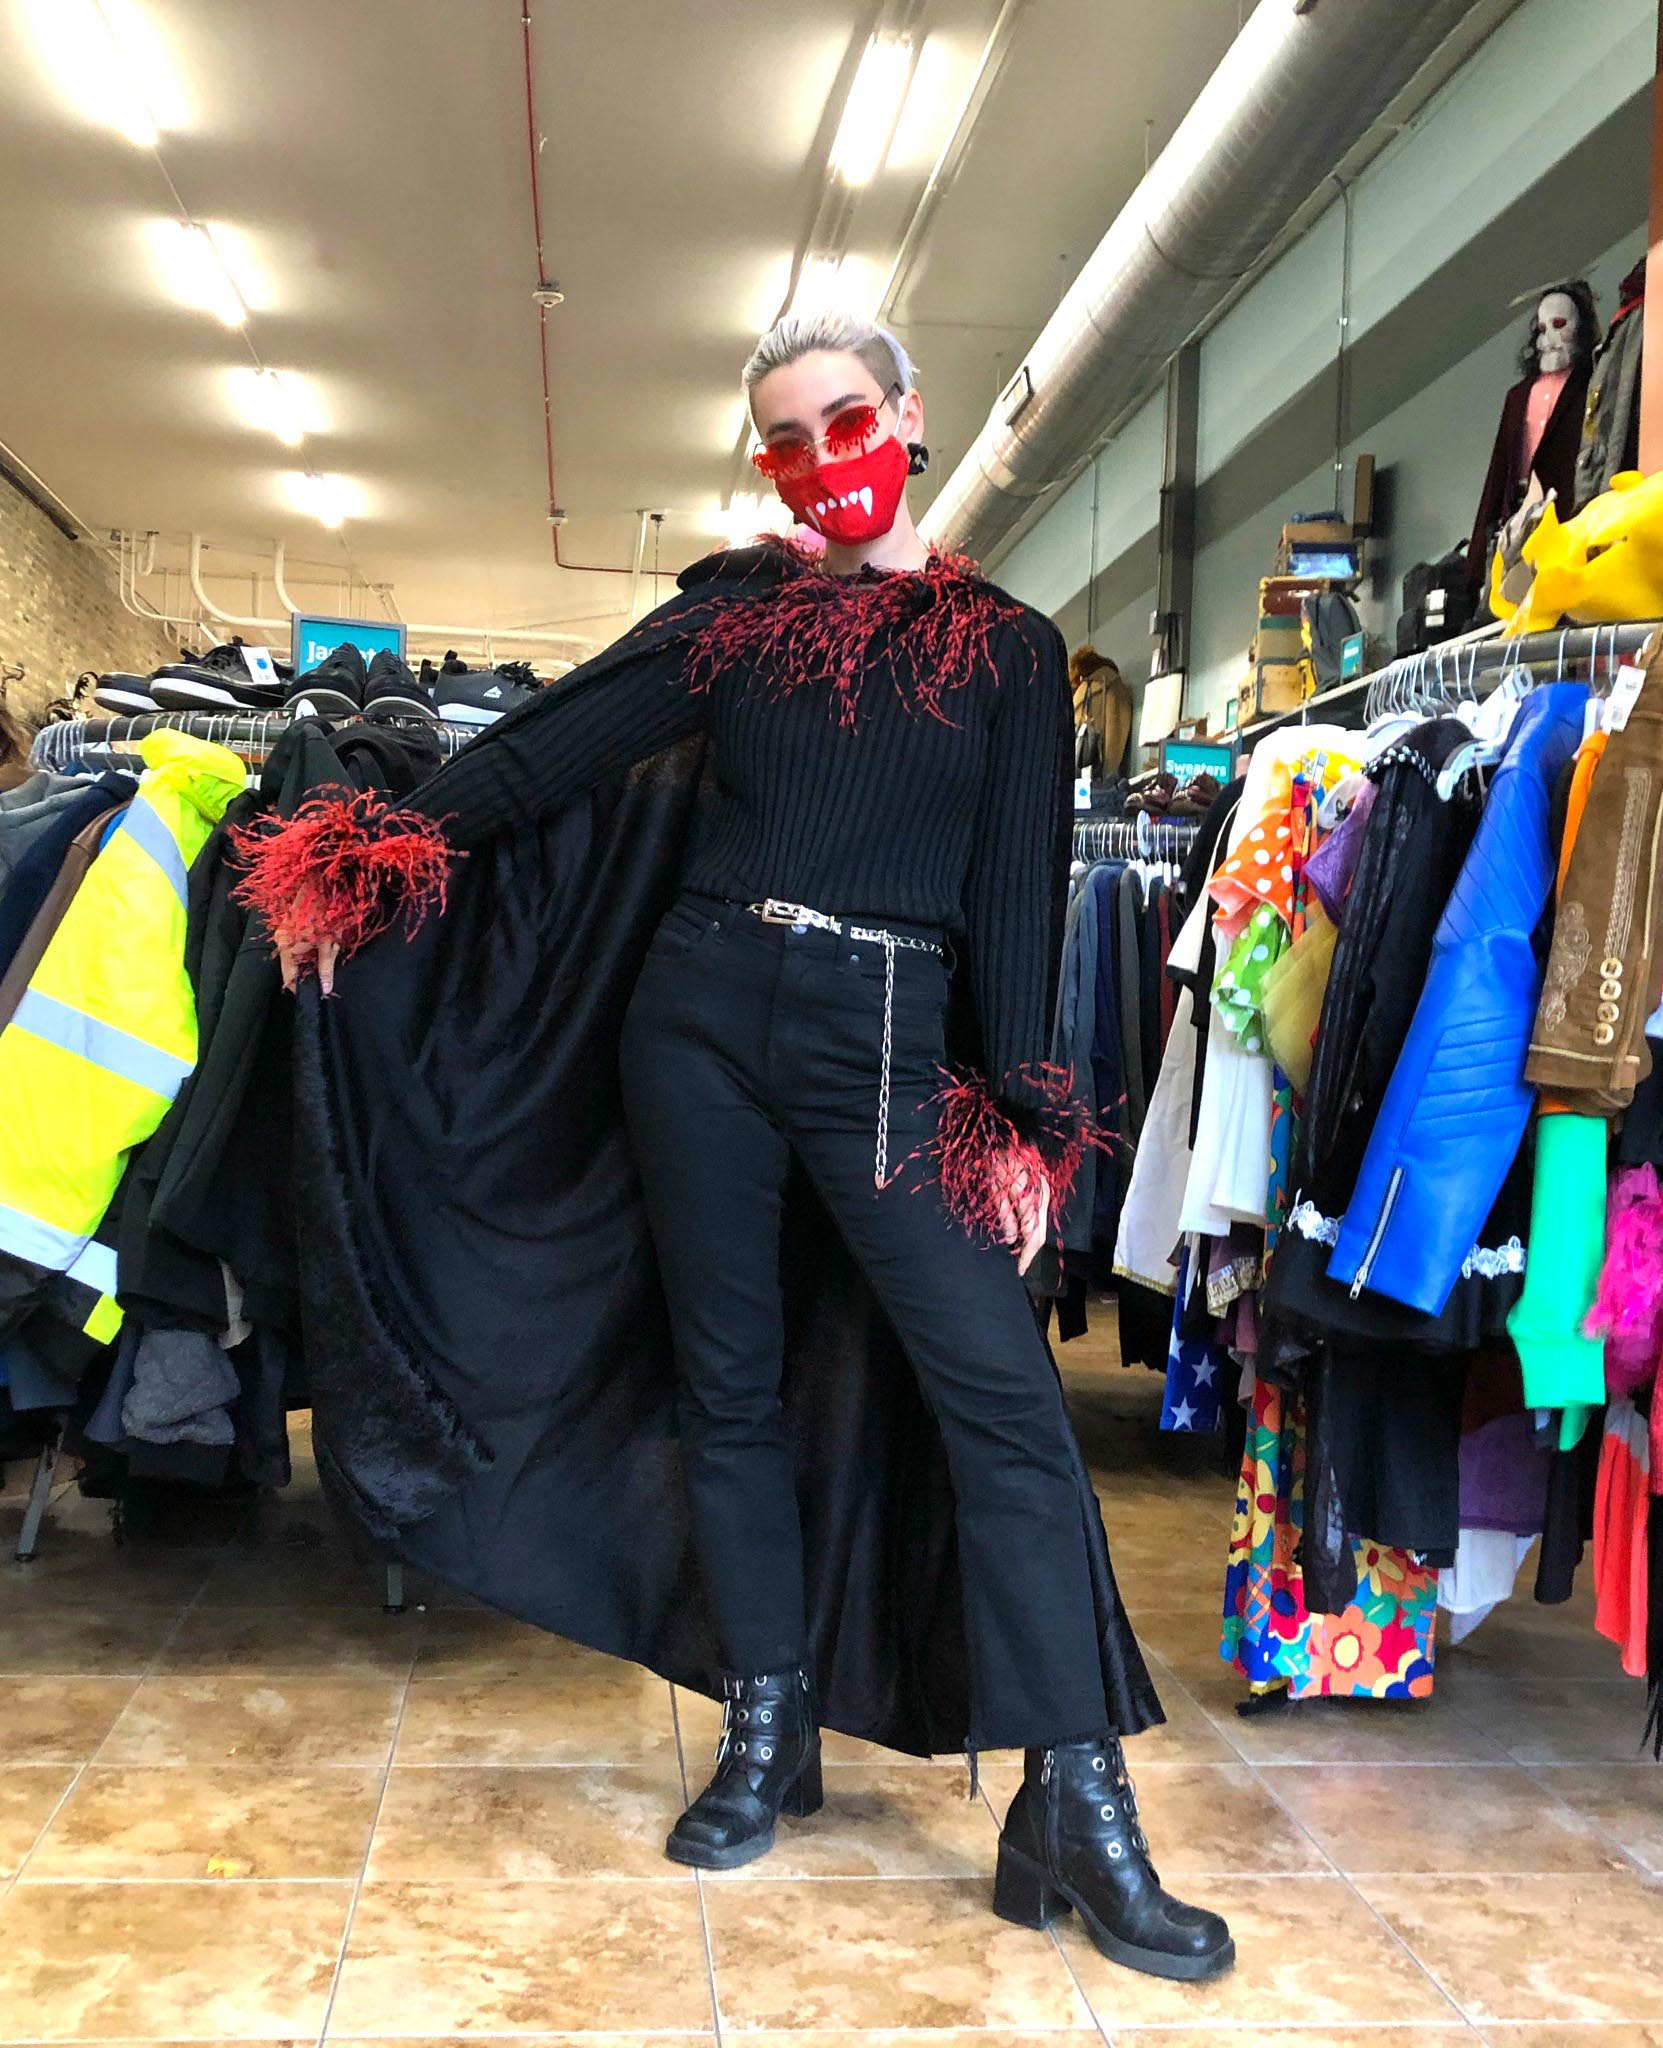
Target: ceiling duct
1297,91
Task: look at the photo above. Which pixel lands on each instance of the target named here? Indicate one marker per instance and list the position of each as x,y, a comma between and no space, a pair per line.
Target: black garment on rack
1205,857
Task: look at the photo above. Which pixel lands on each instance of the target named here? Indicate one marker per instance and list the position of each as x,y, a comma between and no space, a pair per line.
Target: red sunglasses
850,432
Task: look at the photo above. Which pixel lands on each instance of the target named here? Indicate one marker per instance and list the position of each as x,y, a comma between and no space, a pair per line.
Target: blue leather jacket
1456,1107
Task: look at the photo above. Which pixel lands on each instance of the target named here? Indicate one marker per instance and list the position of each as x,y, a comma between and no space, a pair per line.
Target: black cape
485,1340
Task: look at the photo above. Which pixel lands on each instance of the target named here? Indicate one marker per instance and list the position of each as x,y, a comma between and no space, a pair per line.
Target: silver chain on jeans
881,1173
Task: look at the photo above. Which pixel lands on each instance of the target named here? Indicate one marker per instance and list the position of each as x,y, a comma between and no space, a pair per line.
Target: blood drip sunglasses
851,432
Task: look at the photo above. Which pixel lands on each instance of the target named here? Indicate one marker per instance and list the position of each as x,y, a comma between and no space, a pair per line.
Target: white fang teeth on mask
865,496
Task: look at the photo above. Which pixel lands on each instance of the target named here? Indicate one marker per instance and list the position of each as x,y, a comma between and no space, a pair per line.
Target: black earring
918,458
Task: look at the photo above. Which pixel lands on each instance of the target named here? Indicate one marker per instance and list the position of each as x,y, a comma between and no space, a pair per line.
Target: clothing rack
1140,837
77,743
1464,669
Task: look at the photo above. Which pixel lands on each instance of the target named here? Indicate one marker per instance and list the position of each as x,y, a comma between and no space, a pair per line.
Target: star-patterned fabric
1193,1400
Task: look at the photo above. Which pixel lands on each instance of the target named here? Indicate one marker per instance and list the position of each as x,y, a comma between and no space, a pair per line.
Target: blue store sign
316,638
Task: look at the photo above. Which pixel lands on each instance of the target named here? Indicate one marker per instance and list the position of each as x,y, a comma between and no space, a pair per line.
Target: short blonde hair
802,334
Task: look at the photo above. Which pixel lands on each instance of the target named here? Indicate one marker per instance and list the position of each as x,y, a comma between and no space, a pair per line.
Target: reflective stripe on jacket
106,1031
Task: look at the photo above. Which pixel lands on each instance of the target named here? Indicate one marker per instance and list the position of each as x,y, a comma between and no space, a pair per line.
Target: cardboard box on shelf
1279,686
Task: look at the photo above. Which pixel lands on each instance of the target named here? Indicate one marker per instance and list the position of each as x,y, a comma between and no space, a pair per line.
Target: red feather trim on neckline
936,624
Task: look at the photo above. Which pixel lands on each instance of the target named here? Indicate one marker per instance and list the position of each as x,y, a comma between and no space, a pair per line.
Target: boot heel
1023,1894
807,1794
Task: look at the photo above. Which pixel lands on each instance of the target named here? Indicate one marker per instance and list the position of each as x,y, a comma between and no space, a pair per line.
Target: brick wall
60,611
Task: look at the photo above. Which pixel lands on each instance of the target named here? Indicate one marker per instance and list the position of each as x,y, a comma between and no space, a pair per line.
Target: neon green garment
1239,989
106,1031
1562,1368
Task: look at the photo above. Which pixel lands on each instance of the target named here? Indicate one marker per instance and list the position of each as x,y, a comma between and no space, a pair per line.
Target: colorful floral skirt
1381,1647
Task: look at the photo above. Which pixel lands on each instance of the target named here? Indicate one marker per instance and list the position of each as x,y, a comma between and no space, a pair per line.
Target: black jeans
744,1043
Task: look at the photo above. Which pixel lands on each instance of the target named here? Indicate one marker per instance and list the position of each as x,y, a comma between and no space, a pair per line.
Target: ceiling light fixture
748,515
199,275
326,498
101,54
842,284
874,106
274,403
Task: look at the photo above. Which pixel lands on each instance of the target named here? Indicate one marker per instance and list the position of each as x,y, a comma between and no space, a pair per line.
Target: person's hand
296,955
1025,1214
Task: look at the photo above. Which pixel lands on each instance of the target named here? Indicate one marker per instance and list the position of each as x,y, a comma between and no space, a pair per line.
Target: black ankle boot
1072,1838
768,1763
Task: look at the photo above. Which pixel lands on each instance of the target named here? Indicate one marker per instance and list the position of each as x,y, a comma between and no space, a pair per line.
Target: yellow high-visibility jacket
106,1031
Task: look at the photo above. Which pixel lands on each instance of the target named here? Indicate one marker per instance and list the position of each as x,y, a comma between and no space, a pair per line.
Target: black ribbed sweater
956,819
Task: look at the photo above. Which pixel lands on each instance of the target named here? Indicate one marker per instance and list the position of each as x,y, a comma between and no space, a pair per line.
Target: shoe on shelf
391,691
125,696
227,678
1072,1839
477,696
334,689
767,1763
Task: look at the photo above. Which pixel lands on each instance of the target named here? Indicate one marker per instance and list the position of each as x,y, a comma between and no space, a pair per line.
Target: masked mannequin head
1563,330
840,426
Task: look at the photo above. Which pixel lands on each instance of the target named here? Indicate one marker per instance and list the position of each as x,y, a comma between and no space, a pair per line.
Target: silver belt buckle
773,911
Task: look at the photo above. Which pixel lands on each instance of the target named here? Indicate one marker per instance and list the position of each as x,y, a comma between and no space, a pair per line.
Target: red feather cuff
982,1139
342,868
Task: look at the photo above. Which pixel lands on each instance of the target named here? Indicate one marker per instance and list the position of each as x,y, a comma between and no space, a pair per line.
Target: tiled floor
238,1802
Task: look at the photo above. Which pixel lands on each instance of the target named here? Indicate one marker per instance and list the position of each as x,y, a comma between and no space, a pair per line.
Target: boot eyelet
759,1681
767,1755
740,1747
1115,1852
766,1716
744,1713
1106,1812
1098,1764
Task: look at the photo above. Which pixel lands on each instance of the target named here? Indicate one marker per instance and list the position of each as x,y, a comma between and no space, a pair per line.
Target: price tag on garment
257,660
1625,694
1082,792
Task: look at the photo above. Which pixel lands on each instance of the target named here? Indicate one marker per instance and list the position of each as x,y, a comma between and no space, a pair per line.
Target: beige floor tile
1544,1721
232,1642
1325,1731
1626,1800
511,1958
1308,1952
1188,1735
1202,1817
952,2037
282,1721
1409,1817
1504,2036
43,1640
539,2040
1534,1948
862,1953
1529,1641
57,1720
480,1823
102,1961
883,1821
85,1568
323,1574
1456,2035
27,1796
463,1642
599,1711
195,1822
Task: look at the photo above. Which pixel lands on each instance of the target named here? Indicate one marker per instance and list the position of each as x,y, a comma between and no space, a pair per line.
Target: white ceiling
366,166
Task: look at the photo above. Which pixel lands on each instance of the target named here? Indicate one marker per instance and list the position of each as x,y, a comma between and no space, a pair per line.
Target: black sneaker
223,679
334,689
391,691
125,696
477,696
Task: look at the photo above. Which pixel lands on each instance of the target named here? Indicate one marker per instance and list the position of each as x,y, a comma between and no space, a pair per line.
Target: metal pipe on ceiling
1298,89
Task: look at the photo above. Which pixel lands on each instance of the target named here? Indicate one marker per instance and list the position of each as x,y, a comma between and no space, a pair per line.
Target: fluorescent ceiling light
874,102
104,59
197,272
750,514
922,128
274,403
327,499
842,284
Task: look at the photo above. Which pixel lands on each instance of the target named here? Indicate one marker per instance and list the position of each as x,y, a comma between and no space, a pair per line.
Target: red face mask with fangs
851,499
